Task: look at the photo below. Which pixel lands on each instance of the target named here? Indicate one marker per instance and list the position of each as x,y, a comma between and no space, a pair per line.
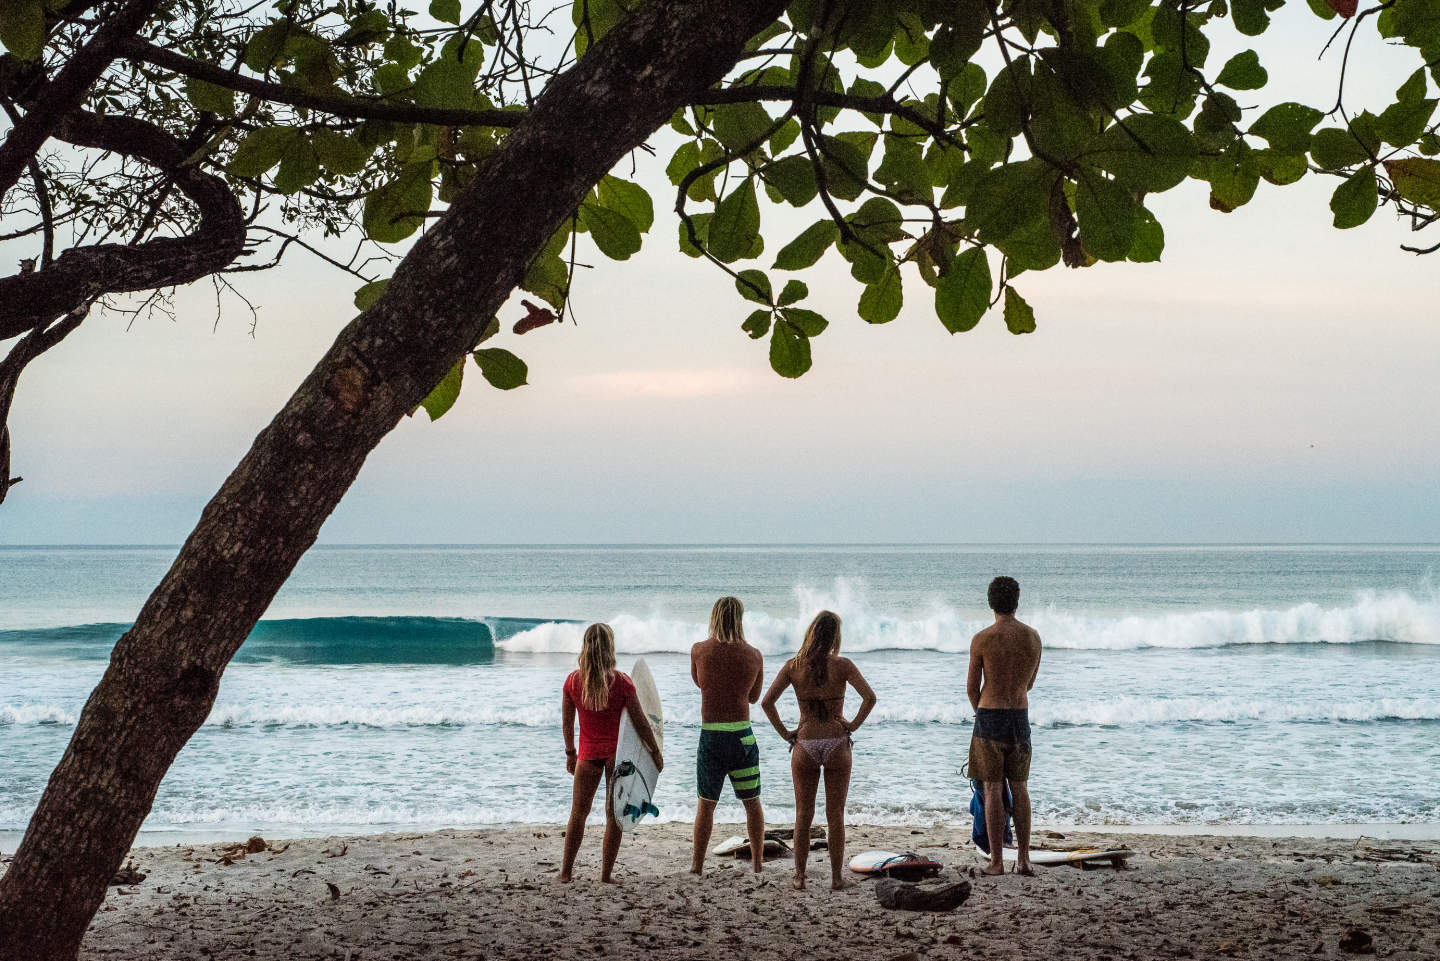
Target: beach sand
489,894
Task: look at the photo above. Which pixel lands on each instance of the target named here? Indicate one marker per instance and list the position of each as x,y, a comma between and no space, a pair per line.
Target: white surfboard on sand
632,788
1085,857
900,864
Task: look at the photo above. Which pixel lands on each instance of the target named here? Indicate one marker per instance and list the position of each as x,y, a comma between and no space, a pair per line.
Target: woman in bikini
598,694
821,742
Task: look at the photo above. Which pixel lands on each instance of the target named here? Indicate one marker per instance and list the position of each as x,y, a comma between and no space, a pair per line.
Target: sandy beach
489,894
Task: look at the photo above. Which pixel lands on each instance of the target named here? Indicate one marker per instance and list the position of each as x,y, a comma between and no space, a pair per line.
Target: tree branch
67,91
337,105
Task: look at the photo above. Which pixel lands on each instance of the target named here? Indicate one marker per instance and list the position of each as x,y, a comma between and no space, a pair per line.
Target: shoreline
1387,831
490,894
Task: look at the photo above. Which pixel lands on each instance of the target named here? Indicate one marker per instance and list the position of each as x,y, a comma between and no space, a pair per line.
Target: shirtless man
728,672
1004,659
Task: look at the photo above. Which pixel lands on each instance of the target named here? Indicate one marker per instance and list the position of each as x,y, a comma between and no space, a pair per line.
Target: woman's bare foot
563,879
993,870
840,884
798,883
1025,868
606,880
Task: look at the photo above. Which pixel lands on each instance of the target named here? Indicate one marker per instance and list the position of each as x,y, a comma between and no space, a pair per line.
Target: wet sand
490,894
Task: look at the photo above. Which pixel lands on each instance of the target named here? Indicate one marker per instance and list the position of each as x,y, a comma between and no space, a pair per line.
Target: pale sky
1272,379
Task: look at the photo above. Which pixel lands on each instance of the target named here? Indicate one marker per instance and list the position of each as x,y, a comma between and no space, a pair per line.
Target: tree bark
164,672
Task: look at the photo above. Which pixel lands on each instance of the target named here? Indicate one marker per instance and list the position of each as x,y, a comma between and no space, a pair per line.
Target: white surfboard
632,788
1114,856
882,862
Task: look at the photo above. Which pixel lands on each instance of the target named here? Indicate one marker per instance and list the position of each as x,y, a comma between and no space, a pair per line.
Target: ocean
411,688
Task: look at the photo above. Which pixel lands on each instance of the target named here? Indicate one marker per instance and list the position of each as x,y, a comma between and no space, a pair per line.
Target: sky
1272,379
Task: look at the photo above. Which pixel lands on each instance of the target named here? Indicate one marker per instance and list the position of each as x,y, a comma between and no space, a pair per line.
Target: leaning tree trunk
165,671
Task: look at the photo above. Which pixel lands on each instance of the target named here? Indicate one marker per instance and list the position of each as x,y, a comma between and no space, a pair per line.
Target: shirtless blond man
728,672
1004,660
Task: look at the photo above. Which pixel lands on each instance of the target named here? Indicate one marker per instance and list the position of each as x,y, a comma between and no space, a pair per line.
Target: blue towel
979,833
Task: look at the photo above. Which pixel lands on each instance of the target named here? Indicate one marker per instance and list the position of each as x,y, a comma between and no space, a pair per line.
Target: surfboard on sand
904,865
632,788
1083,858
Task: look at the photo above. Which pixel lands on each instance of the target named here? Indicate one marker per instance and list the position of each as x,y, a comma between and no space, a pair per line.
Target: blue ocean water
405,687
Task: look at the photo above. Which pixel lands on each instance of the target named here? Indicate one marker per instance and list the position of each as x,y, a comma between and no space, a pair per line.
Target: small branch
336,105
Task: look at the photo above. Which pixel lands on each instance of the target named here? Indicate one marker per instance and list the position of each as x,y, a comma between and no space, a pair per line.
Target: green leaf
793,178
794,291
903,170
1417,179
757,325
443,397
396,210
1402,123
629,199
366,296
263,50
1150,152
789,349
22,28
338,153
685,159
210,98
446,11
1287,126
1032,247
962,294
1281,168
1107,212
736,224
1250,16
1355,200
1121,13
262,148
754,286
1333,148
958,38
808,322
500,367
1149,239
739,125
701,223
445,83
1413,88
1019,316
1243,72
1007,100
846,165
1233,177
299,168
880,302
614,233
1008,196
807,248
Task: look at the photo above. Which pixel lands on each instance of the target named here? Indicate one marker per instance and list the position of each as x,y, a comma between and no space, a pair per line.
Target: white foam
1373,616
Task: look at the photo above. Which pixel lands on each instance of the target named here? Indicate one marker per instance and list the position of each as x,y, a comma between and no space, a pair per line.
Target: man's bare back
729,675
1004,660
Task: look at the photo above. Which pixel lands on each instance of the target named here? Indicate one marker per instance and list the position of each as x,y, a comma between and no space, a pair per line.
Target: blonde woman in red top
598,694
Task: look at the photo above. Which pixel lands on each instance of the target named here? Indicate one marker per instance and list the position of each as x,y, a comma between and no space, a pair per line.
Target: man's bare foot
993,870
563,879
840,884
604,880
799,882
697,871
1025,868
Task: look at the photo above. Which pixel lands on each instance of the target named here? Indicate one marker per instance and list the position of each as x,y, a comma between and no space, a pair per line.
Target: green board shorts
727,749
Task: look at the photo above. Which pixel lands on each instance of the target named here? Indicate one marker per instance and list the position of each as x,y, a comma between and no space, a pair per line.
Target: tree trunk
164,673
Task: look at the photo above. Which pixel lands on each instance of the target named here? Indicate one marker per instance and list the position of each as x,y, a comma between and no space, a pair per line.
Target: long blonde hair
597,666
725,620
822,638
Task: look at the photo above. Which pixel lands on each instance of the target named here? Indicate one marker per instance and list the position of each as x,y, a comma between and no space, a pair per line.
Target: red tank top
600,730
